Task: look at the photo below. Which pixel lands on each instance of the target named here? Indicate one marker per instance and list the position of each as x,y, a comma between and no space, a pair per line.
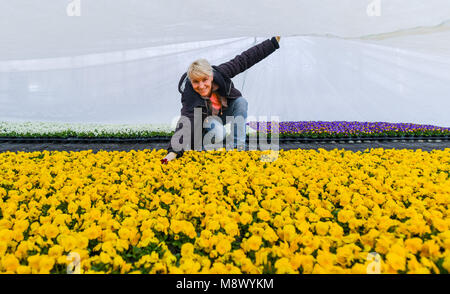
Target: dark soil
30,147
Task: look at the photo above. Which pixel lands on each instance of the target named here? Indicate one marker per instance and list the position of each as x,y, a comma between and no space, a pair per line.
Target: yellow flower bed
309,211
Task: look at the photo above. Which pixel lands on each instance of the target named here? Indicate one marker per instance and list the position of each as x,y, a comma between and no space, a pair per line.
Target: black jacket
222,76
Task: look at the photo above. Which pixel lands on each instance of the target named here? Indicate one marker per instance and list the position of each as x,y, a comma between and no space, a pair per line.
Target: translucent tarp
120,61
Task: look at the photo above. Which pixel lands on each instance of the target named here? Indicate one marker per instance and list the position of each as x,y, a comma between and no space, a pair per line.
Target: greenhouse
344,166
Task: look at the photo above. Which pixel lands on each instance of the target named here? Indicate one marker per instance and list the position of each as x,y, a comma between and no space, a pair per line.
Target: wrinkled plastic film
120,62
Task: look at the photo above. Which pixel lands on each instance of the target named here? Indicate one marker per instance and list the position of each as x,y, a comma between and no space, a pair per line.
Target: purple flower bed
350,129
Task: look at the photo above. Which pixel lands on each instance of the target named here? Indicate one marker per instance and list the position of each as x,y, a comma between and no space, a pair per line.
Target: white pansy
53,128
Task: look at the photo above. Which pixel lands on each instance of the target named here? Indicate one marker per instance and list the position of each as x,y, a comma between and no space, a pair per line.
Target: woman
210,88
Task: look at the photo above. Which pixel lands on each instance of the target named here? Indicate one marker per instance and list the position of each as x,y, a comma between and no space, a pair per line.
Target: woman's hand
169,157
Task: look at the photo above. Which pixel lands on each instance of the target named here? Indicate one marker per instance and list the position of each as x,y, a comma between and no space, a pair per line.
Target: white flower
48,128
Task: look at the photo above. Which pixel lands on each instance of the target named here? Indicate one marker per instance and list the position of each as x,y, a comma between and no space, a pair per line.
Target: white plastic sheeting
120,61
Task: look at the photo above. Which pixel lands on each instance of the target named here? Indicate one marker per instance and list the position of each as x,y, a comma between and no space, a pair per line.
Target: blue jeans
237,108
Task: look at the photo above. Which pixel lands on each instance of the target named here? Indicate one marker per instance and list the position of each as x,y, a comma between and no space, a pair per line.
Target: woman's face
203,85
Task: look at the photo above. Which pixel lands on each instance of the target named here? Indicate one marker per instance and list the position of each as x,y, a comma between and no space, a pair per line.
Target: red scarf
215,102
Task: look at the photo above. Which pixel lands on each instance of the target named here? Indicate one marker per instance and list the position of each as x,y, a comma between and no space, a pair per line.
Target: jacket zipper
207,109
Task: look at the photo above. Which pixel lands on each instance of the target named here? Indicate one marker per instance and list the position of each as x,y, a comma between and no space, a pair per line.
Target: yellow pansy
396,261
263,214
187,250
253,243
283,266
322,228
10,263
223,246
311,211
413,245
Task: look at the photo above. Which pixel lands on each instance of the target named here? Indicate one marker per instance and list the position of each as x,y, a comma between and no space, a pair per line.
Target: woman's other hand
169,157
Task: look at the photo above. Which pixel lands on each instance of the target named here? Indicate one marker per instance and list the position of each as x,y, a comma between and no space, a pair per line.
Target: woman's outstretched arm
250,57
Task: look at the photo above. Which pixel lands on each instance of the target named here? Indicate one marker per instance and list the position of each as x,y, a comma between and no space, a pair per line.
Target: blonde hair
199,69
